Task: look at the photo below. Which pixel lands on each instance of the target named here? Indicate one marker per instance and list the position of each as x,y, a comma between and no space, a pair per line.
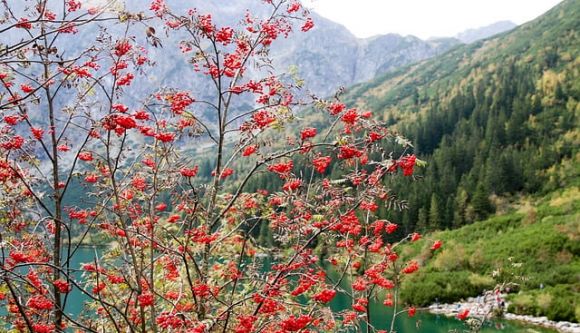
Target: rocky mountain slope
473,35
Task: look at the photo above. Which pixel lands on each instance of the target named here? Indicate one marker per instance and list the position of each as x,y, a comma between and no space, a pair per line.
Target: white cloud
425,18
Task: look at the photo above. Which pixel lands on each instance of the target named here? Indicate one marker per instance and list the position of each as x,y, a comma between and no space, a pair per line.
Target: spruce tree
482,207
434,213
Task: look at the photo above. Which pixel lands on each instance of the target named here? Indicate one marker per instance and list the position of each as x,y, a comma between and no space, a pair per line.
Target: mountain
494,119
473,35
329,56
498,122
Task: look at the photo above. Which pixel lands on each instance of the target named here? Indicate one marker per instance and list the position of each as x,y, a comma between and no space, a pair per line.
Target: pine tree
434,213
461,202
422,220
448,215
482,207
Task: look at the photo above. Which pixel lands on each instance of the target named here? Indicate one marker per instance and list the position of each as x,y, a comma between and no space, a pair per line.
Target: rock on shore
484,306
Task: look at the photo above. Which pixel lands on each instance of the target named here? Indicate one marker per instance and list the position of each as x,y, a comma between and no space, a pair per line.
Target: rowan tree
84,158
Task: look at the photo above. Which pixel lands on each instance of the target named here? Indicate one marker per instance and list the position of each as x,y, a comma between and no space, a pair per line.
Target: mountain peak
472,35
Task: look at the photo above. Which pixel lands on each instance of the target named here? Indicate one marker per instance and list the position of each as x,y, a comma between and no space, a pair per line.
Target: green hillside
494,120
536,244
498,122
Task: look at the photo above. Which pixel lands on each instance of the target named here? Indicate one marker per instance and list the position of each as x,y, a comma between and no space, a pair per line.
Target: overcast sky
425,18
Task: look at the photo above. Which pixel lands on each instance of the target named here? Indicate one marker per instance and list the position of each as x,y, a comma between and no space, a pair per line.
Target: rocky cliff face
384,53
329,56
473,35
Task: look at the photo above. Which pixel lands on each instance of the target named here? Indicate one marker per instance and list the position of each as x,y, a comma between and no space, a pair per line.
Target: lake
422,322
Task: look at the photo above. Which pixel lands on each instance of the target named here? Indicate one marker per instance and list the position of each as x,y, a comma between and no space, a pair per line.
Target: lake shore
484,306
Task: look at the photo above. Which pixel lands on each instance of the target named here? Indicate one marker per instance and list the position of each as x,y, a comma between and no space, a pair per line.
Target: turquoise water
422,322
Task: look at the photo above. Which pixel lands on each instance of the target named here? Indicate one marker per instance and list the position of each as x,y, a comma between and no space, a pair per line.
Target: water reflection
381,315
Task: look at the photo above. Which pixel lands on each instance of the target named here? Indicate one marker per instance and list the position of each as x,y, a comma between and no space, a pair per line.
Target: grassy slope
543,235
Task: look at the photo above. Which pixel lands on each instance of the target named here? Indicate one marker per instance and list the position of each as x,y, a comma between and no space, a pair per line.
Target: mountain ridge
474,34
